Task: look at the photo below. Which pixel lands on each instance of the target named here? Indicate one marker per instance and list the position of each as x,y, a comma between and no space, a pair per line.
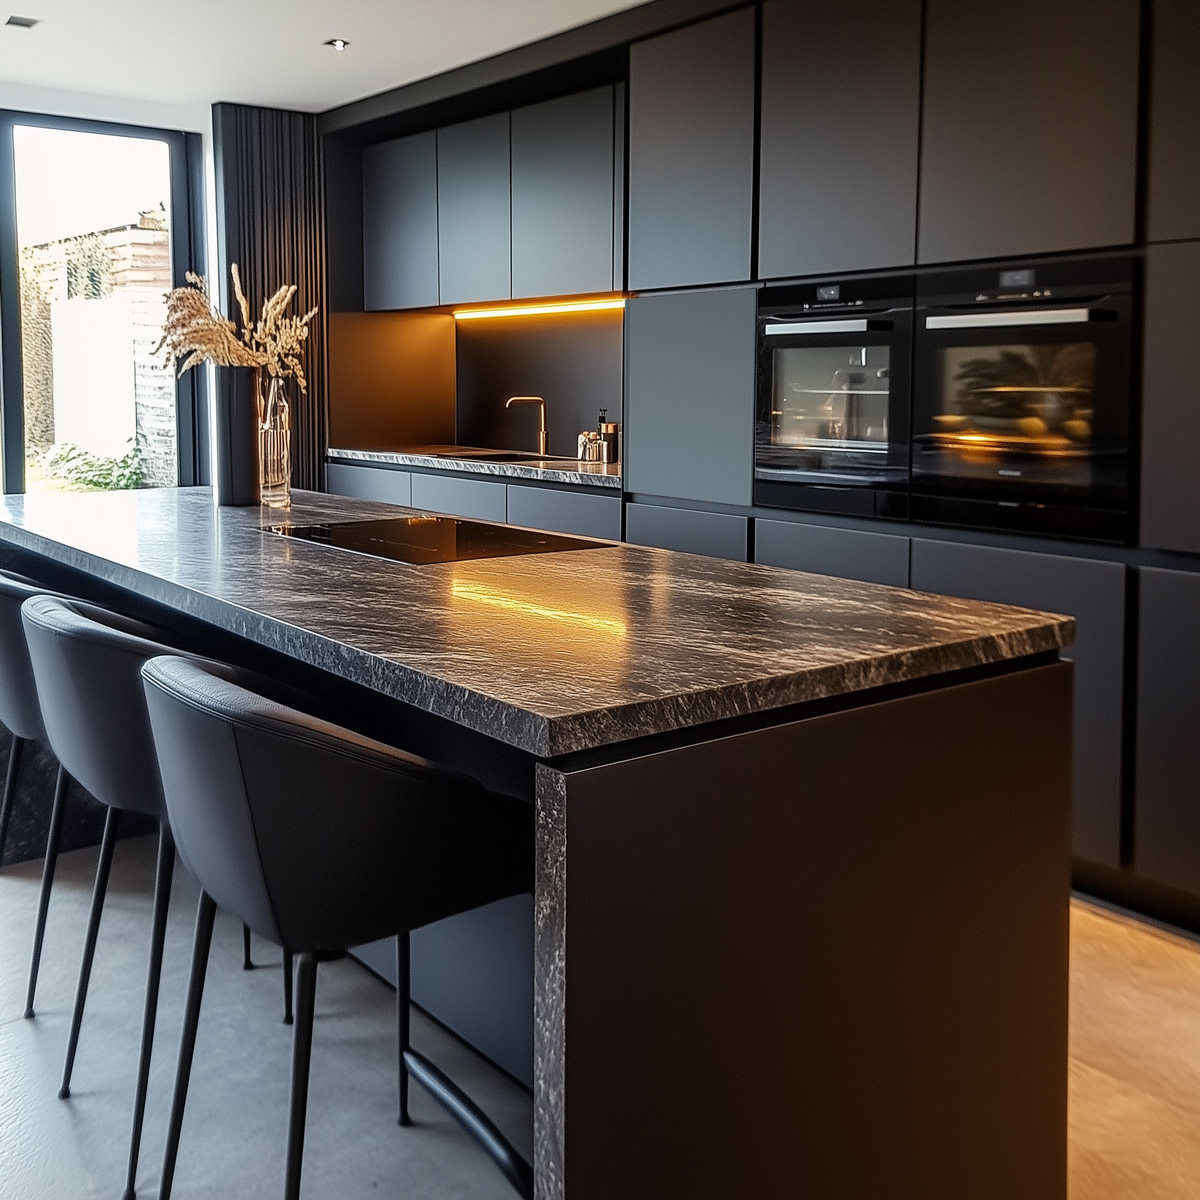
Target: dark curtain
271,222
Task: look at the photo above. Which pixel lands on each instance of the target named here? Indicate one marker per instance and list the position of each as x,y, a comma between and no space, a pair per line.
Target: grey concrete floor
235,1126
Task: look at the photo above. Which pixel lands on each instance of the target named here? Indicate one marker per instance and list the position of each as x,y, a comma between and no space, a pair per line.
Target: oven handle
846,325
1039,316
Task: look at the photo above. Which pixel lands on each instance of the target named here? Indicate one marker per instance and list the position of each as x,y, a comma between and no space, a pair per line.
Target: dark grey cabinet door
400,223
369,483
840,134
478,498
474,215
691,154
1170,515
719,535
689,395
1166,840
1093,593
1174,148
580,513
846,553
562,196
1029,130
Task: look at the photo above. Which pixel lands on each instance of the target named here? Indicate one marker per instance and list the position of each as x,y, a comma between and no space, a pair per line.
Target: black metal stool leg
403,1015
52,841
162,901
205,915
10,790
288,975
306,991
247,962
111,823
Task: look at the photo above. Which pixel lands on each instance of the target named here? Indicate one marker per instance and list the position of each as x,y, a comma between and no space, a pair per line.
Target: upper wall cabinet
691,154
1174,167
1029,137
841,101
474,219
400,223
562,196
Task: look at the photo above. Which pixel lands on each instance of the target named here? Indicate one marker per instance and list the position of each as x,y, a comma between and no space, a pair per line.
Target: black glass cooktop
431,539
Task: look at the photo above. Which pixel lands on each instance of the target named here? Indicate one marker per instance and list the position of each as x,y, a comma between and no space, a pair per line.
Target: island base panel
827,958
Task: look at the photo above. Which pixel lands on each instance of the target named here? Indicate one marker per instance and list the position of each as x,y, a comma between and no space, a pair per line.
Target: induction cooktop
427,539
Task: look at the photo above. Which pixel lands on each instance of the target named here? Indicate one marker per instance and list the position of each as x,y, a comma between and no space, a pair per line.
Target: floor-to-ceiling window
95,228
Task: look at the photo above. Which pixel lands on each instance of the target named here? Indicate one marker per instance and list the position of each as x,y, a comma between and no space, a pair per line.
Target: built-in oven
1021,398
834,378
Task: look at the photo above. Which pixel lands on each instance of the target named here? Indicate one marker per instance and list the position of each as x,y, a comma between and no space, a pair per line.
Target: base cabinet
478,498
369,483
719,535
1166,845
565,512
846,553
1093,593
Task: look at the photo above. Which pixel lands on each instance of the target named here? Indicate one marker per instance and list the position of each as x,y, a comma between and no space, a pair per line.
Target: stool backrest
19,709
313,835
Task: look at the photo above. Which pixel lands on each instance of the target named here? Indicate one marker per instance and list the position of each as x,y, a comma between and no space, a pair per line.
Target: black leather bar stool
21,713
86,664
321,840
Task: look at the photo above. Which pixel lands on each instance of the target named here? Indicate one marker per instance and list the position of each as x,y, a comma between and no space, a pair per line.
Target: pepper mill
610,438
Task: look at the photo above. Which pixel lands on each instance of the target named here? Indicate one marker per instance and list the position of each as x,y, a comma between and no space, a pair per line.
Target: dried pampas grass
195,331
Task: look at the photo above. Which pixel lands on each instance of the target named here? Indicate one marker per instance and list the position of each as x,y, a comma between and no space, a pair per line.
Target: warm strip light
482,594
532,310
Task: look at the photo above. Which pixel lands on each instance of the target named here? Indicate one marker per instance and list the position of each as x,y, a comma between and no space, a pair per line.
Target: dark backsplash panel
573,360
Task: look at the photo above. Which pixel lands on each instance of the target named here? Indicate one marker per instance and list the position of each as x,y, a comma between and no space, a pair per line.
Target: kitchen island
802,843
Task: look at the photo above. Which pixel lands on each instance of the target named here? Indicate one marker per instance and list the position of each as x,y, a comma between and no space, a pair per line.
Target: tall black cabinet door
1174,147
562,196
689,395
1092,592
400,223
691,154
841,102
1171,401
1029,134
1166,840
474,216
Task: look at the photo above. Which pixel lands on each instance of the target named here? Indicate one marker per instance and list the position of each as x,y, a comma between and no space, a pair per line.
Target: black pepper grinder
610,438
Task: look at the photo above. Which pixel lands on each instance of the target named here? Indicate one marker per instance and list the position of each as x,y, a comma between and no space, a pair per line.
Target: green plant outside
80,470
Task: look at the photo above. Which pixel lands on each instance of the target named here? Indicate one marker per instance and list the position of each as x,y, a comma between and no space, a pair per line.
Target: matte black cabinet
841,101
474,212
1170,510
400,223
1029,131
689,395
584,514
691,154
846,553
1093,593
369,483
688,530
1166,845
1174,147
562,196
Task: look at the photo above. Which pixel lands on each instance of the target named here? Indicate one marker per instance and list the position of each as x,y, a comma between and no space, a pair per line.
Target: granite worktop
552,653
445,458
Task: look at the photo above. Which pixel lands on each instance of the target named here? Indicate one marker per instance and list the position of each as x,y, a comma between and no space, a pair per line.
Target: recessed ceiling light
339,44
23,22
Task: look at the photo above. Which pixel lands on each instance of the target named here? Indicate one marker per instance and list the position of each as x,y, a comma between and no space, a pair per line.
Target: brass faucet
541,411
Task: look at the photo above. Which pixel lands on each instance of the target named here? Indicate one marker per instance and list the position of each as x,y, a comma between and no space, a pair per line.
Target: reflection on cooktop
431,539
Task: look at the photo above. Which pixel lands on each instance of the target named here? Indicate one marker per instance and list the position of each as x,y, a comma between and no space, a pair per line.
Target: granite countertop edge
598,475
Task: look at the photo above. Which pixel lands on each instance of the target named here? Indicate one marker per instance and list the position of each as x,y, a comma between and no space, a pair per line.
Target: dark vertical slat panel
271,222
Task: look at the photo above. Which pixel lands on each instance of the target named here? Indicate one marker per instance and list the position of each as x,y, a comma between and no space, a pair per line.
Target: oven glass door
1023,411
832,427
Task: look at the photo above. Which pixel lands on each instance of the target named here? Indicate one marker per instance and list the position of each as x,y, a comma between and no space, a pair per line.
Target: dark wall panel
271,222
1174,147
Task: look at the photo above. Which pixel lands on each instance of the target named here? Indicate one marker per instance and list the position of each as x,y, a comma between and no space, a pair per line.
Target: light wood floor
1135,1060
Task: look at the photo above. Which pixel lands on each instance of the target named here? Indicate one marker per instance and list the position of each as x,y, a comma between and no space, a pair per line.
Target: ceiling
267,52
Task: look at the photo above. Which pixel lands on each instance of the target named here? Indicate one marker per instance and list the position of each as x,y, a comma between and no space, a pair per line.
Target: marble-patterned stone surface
551,653
547,470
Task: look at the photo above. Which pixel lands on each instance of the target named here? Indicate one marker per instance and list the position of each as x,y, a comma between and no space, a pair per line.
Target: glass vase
275,445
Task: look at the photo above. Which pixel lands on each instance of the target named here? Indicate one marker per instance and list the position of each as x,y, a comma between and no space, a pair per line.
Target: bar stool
321,840
86,663
21,714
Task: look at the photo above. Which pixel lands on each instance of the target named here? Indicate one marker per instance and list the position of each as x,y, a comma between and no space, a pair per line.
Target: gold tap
542,445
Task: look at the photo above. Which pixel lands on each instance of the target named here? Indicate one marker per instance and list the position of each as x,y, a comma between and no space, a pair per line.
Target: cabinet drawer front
720,535
1093,593
565,512
369,483
481,499
846,553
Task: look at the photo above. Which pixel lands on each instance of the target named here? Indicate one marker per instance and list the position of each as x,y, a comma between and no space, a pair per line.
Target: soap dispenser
610,438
